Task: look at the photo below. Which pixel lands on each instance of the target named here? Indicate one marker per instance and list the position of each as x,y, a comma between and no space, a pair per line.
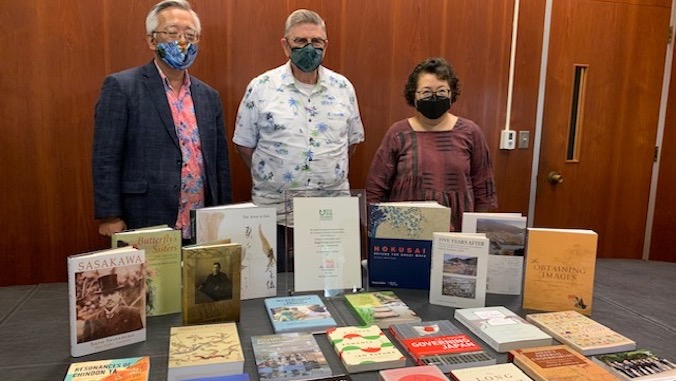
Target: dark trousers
284,240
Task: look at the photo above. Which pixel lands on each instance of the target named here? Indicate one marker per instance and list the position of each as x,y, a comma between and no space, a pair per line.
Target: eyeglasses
441,93
189,35
316,42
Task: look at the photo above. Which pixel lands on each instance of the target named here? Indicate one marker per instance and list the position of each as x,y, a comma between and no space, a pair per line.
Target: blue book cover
301,313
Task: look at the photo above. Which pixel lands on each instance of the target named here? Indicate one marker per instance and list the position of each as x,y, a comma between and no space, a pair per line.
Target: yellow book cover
126,369
558,363
163,265
559,274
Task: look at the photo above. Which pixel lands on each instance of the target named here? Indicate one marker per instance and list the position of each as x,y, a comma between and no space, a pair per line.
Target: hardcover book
400,242
507,235
502,329
638,365
382,308
410,373
559,273
255,228
127,369
209,350
459,267
440,343
106,291
557,363
507,372
211,281
363,349
163,266
289,356
301,313
581,333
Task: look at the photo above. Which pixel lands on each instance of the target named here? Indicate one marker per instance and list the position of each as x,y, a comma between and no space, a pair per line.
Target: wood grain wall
59,52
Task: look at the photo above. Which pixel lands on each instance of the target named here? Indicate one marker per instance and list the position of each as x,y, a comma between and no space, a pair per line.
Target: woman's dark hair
437,66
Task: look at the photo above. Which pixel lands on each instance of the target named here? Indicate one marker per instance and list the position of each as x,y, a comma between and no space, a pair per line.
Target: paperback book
106,291
502,329
255,229
559,273
126,369
400,242
163,266
211,281
581,333
459,267
301,313
208,350
506,372
289,356
232,377
364,349
381,308
638,365
440,343
410,373
558,363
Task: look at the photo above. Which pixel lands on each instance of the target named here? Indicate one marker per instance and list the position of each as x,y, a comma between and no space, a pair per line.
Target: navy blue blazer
136,161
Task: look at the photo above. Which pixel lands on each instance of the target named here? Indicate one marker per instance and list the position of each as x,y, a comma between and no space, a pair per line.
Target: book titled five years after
557,363
127,369
211,283
440,343
162,245
300,313
106,291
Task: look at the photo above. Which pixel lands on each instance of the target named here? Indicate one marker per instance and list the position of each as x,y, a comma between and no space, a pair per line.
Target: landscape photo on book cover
459,278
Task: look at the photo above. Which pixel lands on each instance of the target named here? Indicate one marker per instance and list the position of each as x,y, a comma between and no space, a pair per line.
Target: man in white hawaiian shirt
298,124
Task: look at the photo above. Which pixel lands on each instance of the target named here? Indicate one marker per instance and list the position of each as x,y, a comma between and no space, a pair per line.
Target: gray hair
152,21
303,16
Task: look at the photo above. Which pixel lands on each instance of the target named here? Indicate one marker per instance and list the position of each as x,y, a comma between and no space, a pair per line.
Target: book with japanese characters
299,313
162,245
638,365
289,356
208,350
558,363
410,373
502,329
382,308
440,343
581,333
506,372
364,349
255,229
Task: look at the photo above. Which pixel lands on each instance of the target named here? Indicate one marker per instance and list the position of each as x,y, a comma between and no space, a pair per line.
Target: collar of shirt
165,80
288,78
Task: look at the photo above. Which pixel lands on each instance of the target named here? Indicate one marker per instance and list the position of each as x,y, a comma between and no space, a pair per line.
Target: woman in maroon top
434,155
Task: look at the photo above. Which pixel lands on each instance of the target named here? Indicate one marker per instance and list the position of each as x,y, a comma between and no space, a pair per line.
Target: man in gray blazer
159,139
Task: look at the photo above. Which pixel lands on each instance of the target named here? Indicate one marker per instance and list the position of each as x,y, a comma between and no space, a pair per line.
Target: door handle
554,178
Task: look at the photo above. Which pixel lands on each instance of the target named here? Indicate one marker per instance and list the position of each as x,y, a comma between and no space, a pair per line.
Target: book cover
255,228
507,234
507,372
106,291
208,350
211,281
581,333
363,349
163,266
459,267
289,356
127,369
638,365
413,373
559,273
382,308
232,377
400,242
502,329
557,363
301,313
440,343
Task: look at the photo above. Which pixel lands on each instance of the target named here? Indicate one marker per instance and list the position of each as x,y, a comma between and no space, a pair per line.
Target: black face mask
433,107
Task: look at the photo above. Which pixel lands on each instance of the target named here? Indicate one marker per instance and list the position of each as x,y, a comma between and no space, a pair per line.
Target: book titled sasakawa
126,369
382,308
440,343
289,356
411,373
557,363
300,313
363,349
106,291
162,245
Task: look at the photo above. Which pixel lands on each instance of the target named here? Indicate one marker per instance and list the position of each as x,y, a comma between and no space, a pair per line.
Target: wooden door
604,78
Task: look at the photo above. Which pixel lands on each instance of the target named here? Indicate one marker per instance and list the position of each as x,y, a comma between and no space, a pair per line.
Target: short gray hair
303,16
152,21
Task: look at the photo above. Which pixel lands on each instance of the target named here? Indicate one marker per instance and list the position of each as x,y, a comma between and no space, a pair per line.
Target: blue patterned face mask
308,58
175,56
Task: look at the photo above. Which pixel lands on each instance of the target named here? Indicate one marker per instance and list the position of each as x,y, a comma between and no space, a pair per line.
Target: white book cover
255,228
507,233
458,272
107,302
327,244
